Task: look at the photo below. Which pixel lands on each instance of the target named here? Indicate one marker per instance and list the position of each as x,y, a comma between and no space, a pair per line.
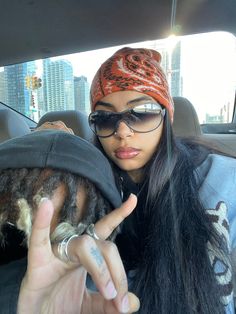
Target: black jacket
11,276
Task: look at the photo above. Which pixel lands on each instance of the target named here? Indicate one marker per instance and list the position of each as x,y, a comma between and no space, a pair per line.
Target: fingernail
110,290
132,195
125,304
43,199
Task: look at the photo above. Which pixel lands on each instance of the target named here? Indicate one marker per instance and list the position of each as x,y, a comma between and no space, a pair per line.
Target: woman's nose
123,130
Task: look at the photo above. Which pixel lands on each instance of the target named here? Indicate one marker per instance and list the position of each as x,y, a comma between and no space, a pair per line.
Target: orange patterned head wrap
135,69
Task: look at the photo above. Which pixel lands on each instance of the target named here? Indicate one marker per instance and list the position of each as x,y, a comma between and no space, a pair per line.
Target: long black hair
167,243
175,274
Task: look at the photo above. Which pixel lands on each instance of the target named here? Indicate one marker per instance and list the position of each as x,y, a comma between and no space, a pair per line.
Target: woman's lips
126,152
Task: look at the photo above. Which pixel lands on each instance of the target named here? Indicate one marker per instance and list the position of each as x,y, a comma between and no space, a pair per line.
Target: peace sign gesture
52,286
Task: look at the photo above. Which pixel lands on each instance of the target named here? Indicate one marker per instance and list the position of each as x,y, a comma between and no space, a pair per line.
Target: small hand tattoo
97,255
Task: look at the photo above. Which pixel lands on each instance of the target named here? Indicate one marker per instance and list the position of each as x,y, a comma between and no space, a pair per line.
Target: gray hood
61,150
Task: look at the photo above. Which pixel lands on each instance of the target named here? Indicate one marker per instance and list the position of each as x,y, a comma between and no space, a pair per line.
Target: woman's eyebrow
143,98
105,104
139,99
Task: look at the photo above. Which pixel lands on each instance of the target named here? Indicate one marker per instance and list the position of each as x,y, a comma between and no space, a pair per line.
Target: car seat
186,121
186,124
12,125
74,119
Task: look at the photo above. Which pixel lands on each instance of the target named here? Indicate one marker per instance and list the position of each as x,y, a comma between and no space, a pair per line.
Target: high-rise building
170,62
17,94
82,94
161,47
176,80
2,88
58,85
40,101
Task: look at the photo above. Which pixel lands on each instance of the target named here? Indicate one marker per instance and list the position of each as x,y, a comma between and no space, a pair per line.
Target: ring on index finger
62,248
90,230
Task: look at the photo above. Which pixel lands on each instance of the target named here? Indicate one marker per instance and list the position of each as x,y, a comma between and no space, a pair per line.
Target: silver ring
90,230
62,248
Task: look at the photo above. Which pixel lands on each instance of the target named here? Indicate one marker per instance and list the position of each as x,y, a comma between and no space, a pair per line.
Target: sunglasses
141,119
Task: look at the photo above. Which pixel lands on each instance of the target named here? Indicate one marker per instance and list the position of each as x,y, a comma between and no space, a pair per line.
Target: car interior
33,30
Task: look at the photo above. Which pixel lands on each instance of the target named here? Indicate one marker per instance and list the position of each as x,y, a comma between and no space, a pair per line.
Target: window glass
199,67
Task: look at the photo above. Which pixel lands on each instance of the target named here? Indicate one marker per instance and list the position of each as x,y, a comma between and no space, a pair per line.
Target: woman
63,185
175,246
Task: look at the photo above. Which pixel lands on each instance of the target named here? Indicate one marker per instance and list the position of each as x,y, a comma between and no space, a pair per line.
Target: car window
200,67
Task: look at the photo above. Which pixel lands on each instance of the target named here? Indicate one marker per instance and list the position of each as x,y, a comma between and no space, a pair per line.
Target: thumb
105,226
99,305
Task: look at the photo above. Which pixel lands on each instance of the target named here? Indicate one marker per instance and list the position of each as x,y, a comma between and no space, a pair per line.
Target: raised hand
52,286
55,125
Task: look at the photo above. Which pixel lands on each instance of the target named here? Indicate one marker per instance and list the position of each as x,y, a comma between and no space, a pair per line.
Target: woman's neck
136,175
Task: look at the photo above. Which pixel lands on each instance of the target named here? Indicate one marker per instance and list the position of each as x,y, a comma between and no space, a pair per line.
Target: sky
209,70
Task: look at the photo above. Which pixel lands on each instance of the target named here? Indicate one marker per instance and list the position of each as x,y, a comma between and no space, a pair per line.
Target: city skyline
59,85
206,77
57,90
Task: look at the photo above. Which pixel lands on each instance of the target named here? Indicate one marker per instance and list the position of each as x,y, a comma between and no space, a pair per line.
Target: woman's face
128,149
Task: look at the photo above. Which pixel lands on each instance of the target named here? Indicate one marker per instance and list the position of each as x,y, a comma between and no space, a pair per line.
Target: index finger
39,246
105,226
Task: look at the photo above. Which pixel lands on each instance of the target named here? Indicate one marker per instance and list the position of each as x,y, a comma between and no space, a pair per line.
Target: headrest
74,119
12,125
186,121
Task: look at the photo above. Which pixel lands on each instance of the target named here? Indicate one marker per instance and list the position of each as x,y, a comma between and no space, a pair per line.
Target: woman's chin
133,169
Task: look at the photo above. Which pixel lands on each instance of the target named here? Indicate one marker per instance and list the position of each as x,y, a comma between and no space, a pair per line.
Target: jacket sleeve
217,178
11,276
234,273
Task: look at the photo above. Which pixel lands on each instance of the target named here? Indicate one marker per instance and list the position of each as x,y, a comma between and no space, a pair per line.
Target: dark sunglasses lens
146,117
103,123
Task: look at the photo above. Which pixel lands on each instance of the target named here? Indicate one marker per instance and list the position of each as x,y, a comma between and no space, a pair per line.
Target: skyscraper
176,80
2,88
82,94
161,47
170,62
17,94
58,85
